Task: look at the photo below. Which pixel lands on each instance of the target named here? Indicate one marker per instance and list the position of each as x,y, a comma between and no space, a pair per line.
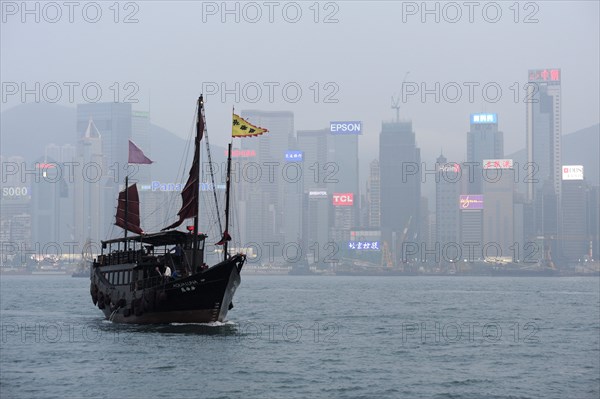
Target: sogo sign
343,199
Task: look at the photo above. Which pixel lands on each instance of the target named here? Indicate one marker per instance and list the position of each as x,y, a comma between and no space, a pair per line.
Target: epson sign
345,127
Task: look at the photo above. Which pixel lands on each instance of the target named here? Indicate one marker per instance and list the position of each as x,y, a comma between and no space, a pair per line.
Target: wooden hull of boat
200,298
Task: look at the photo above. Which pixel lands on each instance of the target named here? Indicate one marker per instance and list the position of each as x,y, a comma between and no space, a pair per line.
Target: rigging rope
212,174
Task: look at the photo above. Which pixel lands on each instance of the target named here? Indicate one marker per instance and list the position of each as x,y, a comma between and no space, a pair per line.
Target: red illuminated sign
497,164
242,153
544,75
343,199
450,167
45,165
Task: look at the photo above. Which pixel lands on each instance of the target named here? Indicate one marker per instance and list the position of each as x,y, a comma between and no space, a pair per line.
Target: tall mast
227,189
199,127
126,208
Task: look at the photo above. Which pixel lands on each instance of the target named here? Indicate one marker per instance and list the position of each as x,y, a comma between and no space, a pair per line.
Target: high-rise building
114,122
484,141
447,191
400,162
47,189
315,222
15,215
543,105
263,188
374,195
594,222
317,188
471,227
574,232
89,208
341,171
543,147
498,213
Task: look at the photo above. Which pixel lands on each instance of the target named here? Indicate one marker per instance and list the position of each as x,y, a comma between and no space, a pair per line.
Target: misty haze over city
432,65
456,144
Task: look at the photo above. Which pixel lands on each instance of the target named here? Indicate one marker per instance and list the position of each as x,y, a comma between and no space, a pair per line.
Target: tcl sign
343,199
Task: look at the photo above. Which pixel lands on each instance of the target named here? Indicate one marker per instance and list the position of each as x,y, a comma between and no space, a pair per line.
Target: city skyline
325,224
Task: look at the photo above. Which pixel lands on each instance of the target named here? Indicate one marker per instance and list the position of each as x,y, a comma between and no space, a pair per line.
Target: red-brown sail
129,198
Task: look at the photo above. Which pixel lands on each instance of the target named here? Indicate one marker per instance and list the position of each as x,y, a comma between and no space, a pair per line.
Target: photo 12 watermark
454,12
289,92
69,92
254,12
429,332
61,332
452,92
57,12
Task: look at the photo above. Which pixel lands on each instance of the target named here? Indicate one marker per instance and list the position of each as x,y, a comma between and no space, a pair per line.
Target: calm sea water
307,337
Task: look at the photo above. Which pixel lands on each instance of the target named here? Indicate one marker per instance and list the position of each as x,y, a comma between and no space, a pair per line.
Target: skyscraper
574,232
114,122
263,189
498,213
90,219
317,195
342,171
400,162
543,104
447,191
484,141
374,195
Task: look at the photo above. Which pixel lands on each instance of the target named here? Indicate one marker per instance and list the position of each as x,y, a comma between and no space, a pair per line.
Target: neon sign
497,164
572,172
294,156
354,127
242,153
343,199
483,118
544,75
364,245
471,201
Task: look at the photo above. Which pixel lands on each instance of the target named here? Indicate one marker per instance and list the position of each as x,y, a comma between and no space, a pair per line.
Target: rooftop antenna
396,101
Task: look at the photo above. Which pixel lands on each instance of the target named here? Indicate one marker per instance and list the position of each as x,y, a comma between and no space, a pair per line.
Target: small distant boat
162,277
515,271
83,269
84,266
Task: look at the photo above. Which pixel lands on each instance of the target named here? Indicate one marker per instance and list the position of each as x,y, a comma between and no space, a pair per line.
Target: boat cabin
141,259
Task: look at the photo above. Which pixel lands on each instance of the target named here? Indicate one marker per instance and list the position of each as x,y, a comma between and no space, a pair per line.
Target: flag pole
227,195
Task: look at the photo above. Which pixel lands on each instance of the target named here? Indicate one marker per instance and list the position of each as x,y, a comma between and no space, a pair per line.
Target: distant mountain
26,130
583,148
578,148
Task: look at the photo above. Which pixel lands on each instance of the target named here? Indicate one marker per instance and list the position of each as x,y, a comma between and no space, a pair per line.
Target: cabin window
111,278
120,278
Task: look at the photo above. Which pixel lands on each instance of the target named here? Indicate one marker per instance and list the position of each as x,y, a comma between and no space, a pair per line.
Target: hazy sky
172,49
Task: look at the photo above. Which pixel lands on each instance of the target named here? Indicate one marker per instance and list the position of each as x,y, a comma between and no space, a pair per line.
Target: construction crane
396,102
386,257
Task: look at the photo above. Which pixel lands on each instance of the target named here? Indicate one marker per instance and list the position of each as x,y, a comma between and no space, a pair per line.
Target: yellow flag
242,128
